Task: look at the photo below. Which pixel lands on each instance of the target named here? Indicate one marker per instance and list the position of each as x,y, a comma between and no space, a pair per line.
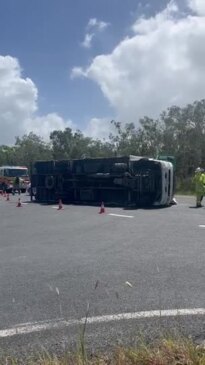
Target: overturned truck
120,181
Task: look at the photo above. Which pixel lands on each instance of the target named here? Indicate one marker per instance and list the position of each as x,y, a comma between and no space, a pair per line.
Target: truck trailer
119,181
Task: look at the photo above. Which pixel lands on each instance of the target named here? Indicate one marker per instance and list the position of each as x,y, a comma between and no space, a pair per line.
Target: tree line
179,131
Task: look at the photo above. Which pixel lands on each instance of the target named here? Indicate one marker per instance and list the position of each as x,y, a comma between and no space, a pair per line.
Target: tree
150,137
70,145
126,139
178,131
144,140
30,148
61,142
7,155
99,148
184,136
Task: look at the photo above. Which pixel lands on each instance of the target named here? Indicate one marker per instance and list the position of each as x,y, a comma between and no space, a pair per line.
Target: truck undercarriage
121,181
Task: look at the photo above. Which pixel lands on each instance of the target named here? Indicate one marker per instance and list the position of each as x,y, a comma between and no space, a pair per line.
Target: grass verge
164,352
185,193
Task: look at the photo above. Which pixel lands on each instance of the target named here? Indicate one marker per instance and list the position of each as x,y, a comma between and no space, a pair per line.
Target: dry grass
166,352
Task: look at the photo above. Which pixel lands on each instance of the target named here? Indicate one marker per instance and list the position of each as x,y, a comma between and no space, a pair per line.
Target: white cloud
97,24
198,6
99,128
19,104
146,26
77,72
87,40
161,64
43,125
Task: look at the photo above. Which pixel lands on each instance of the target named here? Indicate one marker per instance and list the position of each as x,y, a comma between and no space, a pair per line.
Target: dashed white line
202,226
26,328
121,215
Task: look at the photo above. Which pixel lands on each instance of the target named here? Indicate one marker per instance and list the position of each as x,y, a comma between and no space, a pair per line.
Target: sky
82,63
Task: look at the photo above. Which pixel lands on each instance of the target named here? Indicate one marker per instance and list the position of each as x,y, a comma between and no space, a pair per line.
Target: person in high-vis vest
16,185
199,181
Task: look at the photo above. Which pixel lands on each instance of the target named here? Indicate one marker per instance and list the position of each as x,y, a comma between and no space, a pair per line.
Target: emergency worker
16,185
199,181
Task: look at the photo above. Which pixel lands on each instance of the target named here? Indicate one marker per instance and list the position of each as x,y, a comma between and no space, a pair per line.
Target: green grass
185,192
185,187
164,352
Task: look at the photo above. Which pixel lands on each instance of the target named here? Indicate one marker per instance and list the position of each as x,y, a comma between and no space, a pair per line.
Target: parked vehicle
129,180
8,175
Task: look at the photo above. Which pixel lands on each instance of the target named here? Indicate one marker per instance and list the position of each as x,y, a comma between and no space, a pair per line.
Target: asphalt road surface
54,265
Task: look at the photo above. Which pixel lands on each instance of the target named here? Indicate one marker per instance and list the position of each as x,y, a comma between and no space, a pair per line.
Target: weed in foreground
165,352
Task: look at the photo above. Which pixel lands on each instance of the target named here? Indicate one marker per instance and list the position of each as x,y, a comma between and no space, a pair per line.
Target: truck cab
8,175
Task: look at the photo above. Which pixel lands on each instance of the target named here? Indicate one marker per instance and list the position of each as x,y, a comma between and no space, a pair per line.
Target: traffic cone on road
7,197
60,205
19,205
102,208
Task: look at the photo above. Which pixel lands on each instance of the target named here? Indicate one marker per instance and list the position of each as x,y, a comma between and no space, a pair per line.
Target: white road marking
121,215
62,323
202,226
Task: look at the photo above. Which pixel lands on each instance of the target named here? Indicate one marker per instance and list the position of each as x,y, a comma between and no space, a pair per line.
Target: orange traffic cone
102,208
19,205
60,205
7,197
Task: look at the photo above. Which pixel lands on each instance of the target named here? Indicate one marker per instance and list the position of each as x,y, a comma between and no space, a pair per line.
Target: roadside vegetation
165,352
178,131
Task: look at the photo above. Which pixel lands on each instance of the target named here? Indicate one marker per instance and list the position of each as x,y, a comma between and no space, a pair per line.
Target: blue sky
138,62
46,36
